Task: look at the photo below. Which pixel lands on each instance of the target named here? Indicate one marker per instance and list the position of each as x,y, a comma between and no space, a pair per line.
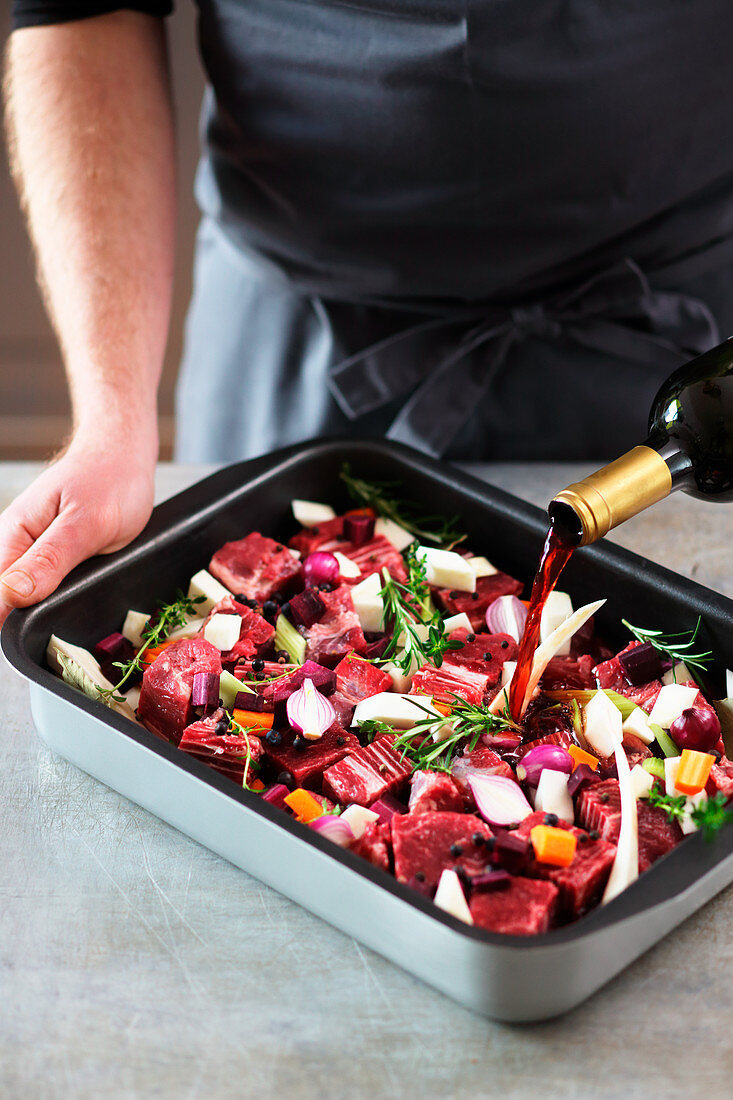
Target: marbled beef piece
568,672
720,780
480,761
356,679
485,653
561,737
165,696
448,681
225,753
375,844
599,808
338,632
256,567
475,603
255,633
526,907
307,764
582,883
365,775
425,844
327,536
431,791
373,556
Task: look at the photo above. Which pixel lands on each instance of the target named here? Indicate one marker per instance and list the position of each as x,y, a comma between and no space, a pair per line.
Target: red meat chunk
365,775
599,809
165,696
485,654
255,633
226,754
568,672
431,791
581,884
255,567
446,682
425,844
323,536
475,603
481,760
720,780
338,632
375,844
290,678
526,907
307,765
373,556
561,737
357,679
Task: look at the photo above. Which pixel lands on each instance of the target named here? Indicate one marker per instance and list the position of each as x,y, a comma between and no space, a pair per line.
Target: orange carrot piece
305,807
367,511
580,756
693,771
442,708
551,845
252,719
257,785
154,651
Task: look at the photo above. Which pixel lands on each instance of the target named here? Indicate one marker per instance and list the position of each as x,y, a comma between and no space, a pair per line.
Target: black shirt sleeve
31,13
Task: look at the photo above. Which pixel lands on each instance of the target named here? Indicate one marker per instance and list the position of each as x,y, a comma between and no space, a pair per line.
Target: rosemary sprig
467,721
419,632
380,496
710,816
163,622
674,649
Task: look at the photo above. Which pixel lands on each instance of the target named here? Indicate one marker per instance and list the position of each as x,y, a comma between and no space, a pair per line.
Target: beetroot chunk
425,844
525,908
475,604
165,697
599,809
365,775
307,764
256,567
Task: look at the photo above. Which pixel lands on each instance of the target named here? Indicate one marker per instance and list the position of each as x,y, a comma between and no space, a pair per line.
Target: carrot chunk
693,771
305,807
580,756
551,845
253,720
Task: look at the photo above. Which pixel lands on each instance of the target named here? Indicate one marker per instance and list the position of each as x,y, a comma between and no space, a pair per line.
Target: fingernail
19,582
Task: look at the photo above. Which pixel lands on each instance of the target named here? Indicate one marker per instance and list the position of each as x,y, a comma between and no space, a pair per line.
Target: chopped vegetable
552,845
253,719
288,639
580,756
310,712
693,771
304,805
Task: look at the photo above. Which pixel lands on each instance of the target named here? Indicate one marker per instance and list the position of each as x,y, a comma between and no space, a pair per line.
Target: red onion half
309,712
320,567
533,763
500,800
333,828
506,615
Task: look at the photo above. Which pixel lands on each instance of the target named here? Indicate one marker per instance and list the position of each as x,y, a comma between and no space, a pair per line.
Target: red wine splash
555,556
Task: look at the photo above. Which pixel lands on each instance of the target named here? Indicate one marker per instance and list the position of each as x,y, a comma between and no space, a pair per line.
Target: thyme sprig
676,650
241,731
380,496
710,816
161,623
416,630
467,723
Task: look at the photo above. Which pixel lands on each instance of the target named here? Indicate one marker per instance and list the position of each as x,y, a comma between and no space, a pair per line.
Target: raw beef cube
486,653
307,764
431,791
255,567
357,679
280,690
720,780
226,753
165,696
344,708
365,775
425,844
583,881
599,809
255,633
525,908
338,632
373,556
568,672
375,844
481,761
445,683
324,536
475,603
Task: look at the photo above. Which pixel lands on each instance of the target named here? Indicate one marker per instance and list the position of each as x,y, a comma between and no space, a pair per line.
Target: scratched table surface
134,962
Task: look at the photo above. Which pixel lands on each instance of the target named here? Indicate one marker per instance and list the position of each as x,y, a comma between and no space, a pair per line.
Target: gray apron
488,229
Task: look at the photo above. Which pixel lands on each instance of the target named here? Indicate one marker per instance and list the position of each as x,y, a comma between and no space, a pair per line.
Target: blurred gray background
34,416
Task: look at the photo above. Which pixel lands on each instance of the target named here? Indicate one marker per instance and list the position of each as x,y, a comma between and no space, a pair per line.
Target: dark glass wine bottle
689,447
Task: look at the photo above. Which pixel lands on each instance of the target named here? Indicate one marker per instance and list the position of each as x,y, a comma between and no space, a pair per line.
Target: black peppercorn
594,834
420,876
474,595
456,850
470,638
258,664
478,839
299,742
505,644
340,740
551,819
488,656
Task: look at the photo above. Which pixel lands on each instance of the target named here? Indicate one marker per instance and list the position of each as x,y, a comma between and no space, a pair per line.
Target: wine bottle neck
678,463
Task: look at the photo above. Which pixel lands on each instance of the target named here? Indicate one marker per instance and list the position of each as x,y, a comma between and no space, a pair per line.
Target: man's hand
93,499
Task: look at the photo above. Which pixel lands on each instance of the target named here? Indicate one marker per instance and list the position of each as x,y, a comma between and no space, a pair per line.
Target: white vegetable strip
626,864
450,897
545,652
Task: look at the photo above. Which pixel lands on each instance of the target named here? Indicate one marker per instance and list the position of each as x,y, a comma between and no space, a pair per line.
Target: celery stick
288,638
654,766
664,741
229,688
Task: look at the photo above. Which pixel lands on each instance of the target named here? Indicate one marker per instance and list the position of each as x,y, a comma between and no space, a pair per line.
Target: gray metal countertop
135,963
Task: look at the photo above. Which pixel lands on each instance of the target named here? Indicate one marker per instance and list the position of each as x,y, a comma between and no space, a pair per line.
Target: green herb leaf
379,495
674,646
712,815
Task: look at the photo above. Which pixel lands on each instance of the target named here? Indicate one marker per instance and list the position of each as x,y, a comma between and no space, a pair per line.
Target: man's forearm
91,135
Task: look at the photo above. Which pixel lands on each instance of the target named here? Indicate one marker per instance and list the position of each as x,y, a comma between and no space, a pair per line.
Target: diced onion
309,712
500,800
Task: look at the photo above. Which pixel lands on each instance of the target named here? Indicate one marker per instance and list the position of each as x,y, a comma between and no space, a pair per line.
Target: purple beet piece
276,795
358,529
249,700
306,608
583,776
642,664
115,647
376,648
205,689
387,806
323,678
509,851
491,880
